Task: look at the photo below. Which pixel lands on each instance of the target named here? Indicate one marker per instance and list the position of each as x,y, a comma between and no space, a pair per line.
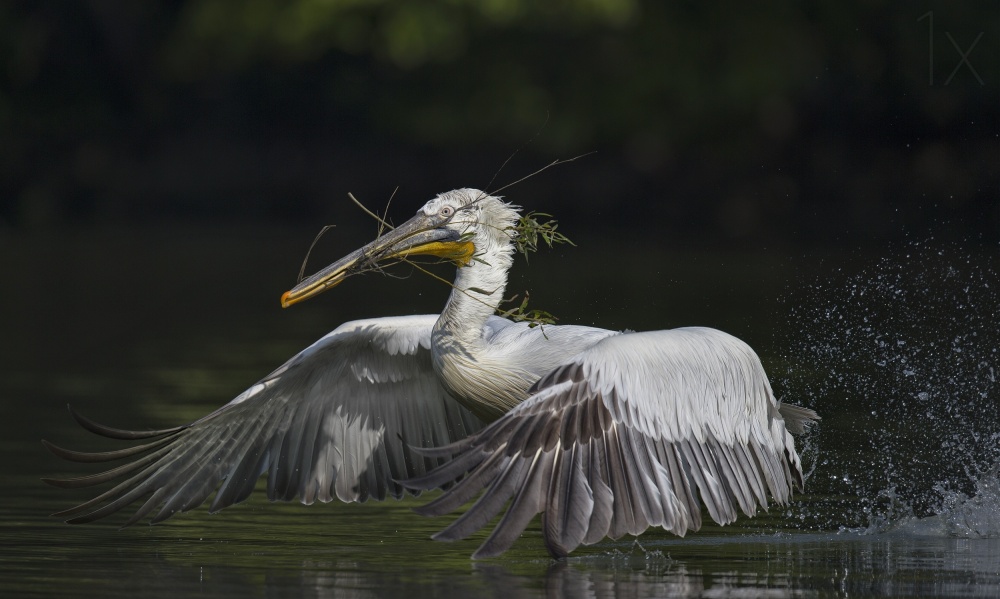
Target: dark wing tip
136,471
88,457
443,451
117,433
55,482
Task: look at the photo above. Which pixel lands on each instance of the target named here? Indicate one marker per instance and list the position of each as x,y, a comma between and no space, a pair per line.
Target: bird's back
494,374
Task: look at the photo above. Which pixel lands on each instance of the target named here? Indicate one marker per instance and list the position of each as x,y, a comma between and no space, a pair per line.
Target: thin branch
385,213
302,270
369,212
530,141
544,168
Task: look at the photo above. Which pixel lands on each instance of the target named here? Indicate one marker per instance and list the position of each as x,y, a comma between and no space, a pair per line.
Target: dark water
154,328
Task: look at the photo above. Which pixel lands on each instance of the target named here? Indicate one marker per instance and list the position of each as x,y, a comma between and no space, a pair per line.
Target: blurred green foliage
497,66
793,122
236,33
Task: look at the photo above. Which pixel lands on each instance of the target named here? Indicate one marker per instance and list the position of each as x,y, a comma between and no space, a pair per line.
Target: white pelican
604,433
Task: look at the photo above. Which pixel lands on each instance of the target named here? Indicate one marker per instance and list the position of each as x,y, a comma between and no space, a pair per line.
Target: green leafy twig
530,229
520,313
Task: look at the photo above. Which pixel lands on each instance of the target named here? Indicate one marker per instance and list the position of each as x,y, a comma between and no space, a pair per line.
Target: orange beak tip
284,299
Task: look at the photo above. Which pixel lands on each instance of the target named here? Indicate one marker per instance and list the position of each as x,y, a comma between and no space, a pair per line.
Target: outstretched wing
629,434
337,420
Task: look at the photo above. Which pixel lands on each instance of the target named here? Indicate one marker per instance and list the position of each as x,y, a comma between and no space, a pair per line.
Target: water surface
155,328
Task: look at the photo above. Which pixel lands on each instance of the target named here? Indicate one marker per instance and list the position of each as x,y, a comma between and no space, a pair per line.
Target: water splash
977,516
900,355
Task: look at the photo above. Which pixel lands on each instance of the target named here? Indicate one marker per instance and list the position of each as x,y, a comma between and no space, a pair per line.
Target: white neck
478,290
459,352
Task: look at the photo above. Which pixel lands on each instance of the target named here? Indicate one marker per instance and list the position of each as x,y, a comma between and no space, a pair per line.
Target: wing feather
602,512
570,499
639,430
337,420
530,500
502,488
492,471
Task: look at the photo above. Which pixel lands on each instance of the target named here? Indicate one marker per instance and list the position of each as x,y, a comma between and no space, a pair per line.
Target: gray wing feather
337,420
567,526
601,512
639,430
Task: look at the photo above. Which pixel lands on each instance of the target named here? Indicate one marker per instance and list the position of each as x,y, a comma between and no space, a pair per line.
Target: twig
544,168
302,270
369,212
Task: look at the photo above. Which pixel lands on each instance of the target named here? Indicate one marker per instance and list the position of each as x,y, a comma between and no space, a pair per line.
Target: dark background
774,171
813,124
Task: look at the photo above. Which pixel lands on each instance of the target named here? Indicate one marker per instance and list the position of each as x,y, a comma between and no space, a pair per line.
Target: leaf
520,313
531,227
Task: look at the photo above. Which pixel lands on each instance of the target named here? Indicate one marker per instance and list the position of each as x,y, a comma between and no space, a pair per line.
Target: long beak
419,236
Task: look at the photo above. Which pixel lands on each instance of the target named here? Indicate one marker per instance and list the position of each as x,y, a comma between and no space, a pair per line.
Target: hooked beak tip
285,299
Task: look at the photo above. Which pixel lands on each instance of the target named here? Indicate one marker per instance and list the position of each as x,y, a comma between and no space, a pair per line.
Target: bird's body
605,433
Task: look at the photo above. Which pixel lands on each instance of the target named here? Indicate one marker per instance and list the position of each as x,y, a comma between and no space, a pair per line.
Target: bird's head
454,226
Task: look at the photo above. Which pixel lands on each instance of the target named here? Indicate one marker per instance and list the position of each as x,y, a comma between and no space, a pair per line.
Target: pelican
604,433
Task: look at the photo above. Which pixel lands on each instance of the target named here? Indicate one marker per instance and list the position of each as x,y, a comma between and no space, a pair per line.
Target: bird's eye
446,211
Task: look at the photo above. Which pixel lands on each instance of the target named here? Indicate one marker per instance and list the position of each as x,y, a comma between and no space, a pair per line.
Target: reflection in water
791,566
